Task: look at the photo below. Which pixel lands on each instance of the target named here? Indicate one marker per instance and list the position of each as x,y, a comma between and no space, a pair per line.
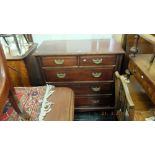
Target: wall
38,38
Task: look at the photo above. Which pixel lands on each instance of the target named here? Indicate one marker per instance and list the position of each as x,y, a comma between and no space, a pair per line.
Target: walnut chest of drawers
86,66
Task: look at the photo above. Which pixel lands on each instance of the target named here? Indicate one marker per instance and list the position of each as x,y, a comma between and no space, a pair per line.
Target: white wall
38,38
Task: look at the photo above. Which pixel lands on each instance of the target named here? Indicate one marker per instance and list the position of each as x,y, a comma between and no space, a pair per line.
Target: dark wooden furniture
144,44
132,103
86,66
63,108
142,67
144,72
6,88
63,98
20,67
139,93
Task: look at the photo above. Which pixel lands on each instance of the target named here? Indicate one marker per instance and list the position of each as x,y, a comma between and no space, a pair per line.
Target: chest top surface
79,47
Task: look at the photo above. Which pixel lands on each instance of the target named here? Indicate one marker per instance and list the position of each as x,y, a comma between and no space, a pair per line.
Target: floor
95,116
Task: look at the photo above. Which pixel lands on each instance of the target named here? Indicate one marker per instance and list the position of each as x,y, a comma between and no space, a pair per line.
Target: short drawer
102,100
88,88
97,60
139,75
79,74
59,61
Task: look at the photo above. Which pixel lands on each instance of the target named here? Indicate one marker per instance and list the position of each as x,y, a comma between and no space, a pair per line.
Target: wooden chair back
123,101
7,91
4,81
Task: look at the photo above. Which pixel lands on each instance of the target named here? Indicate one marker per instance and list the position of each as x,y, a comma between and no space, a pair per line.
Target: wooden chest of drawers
87,69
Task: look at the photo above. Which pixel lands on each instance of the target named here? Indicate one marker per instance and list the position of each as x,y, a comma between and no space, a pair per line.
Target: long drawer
88,88
100,100
79,74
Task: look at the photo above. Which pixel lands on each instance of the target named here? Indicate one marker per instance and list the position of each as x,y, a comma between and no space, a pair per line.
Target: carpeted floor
94,116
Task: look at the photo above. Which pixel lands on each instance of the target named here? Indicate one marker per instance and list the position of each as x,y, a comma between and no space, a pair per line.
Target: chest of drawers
85,66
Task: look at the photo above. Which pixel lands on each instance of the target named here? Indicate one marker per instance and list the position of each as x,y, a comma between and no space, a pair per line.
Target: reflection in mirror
15,44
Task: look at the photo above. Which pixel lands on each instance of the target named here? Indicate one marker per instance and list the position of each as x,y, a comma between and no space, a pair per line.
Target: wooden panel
59,61
18,67
97,60
88,88
101,100
85,74
18,73
140,99
144,73
94,108
131,97
143,45
63,107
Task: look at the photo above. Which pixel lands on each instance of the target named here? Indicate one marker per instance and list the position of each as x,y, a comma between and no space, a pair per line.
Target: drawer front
59,61
97,74
89,88
142,79
102,100
139,75
97,60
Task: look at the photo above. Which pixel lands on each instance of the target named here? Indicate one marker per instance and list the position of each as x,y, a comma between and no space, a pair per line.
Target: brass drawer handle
59,61
61,75
97,61
96,75
96,89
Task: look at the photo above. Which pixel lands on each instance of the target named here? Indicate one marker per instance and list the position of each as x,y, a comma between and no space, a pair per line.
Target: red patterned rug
33,100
